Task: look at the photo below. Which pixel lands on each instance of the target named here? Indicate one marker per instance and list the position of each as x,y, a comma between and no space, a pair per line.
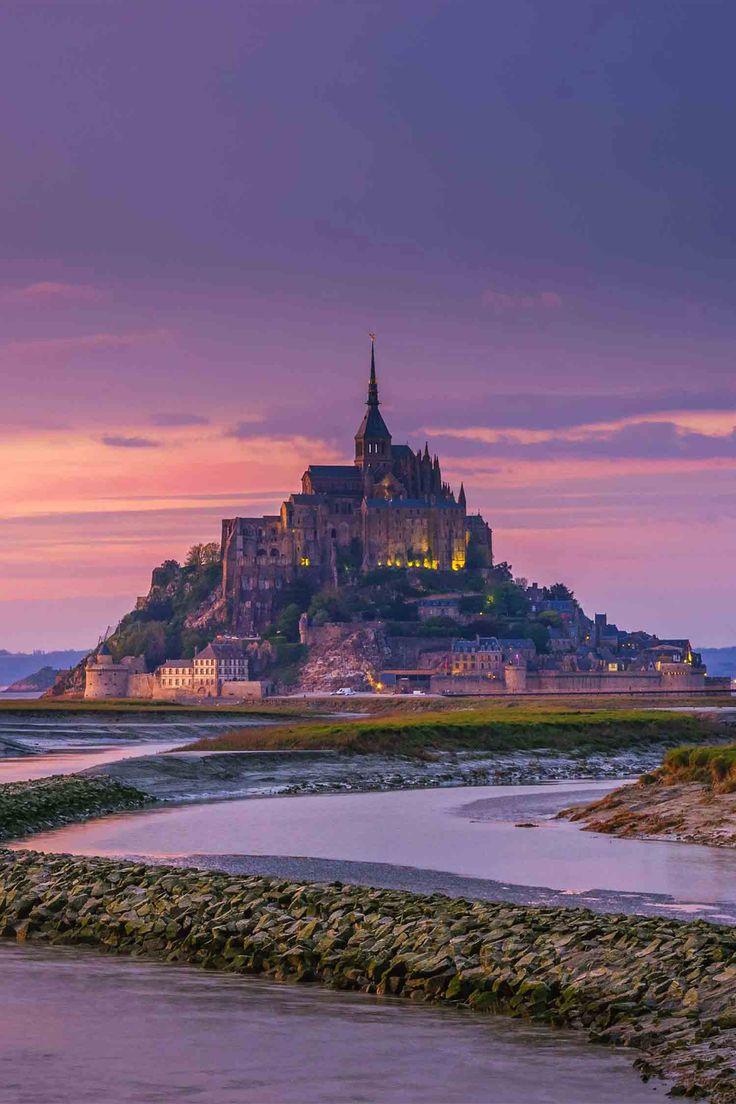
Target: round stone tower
104,678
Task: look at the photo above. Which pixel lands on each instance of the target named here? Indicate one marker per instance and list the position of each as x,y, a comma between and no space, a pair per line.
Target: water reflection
453,830
87,1029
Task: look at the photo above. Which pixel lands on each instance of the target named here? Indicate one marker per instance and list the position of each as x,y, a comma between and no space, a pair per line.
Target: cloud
647,438
117,441
502,301
173,419
251,429
62,346
52,291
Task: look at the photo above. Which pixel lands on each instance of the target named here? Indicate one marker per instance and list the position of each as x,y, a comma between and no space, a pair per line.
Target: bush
714,766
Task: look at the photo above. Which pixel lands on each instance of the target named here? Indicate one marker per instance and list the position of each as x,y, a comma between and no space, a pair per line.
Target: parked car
344,692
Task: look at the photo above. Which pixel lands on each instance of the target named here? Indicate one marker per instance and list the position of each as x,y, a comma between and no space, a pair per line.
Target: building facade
390,508
219,669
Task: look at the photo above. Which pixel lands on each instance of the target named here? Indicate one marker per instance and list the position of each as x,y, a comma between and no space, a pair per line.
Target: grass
143,705
714,766
489,729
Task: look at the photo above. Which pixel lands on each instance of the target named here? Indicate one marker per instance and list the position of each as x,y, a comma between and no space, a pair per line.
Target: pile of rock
342,655
44,803
665,987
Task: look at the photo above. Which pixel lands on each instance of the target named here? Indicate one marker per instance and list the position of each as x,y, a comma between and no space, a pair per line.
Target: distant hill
39,680
19,665
720,661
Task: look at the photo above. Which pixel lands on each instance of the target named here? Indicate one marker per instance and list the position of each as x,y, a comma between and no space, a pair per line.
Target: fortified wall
517,680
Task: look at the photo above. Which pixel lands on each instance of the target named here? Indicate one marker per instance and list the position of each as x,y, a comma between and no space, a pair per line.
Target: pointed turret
436,476
461,497
373,440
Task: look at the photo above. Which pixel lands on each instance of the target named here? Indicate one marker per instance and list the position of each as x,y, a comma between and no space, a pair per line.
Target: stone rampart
472,685
243,690
143,686
610,682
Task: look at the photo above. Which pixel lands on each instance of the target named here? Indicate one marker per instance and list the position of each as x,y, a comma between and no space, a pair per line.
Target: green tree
287,623
203,555
558,592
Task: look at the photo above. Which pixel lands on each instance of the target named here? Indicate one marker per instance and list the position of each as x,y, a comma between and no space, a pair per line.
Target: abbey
389,508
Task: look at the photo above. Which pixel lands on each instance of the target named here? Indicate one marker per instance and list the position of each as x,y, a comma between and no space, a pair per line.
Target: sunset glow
184,328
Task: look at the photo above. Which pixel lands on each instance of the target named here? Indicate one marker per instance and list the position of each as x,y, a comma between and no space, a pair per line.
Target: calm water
34,745
82,1028
465,831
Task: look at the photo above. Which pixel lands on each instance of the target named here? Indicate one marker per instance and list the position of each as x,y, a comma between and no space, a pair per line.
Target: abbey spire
372,381
373,440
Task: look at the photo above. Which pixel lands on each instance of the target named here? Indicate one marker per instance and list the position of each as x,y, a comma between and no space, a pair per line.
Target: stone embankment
689,812
664,987
44,803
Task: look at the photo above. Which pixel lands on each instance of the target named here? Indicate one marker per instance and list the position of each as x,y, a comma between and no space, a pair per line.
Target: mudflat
691,812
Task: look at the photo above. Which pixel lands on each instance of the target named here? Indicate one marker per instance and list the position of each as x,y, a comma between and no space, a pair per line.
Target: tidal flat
420,829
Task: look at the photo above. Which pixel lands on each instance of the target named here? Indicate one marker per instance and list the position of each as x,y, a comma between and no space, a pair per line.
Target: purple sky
206,207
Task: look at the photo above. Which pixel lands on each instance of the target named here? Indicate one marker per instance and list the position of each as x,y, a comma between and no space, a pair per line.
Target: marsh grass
713,766
493,730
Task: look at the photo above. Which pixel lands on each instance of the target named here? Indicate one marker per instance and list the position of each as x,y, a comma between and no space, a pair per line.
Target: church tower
373,440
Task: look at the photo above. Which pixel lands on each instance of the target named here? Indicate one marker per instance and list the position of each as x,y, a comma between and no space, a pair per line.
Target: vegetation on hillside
486,729
713,766
496,604
159,627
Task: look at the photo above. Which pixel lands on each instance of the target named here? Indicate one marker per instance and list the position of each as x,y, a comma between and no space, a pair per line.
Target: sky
205,208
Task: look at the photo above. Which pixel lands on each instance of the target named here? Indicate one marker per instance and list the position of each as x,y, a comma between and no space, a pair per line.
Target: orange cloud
64,346
52,291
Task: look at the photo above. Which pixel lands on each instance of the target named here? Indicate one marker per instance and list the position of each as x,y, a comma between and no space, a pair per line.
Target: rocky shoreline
687,812
663,987
40,804
186,776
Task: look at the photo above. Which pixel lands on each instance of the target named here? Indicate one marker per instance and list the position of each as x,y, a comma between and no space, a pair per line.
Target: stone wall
472,685
410,652
610,682
143,686
518,680
245,690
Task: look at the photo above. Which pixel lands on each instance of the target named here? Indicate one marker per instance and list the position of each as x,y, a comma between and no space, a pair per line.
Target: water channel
469,835
85,1028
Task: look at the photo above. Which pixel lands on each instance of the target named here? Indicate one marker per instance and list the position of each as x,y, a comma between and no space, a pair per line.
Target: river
90,1029
35,745
461,841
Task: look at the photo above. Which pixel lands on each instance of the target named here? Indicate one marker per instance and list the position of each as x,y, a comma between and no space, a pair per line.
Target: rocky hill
183,610
39,680
18,665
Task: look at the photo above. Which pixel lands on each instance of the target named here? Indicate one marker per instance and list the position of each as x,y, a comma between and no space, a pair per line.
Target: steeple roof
373,426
